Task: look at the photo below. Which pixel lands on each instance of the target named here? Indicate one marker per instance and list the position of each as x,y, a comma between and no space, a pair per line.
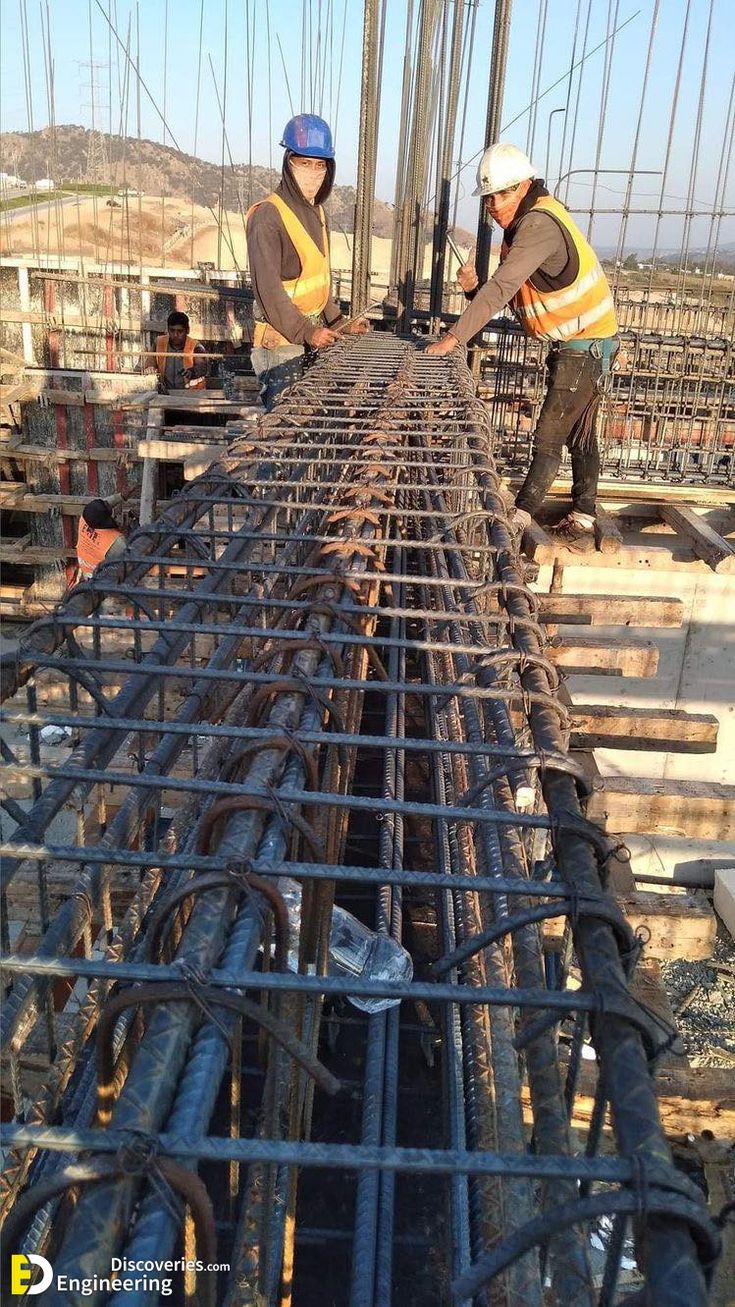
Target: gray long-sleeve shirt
273,259
538,245
176,374
117,549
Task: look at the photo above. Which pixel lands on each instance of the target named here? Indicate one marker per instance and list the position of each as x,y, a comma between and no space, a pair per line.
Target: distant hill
724,260
159,169
671,258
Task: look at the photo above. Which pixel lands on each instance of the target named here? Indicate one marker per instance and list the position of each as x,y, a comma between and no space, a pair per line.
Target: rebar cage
667,414
323,665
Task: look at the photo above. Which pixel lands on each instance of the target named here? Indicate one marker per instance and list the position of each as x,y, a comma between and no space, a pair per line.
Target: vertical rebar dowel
409,267
496,87
366,157
443,188
402,145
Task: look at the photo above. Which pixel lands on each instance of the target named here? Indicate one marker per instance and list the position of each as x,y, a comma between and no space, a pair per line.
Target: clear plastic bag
354,950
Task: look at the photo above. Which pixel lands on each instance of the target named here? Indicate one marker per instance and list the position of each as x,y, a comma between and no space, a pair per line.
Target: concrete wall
696,672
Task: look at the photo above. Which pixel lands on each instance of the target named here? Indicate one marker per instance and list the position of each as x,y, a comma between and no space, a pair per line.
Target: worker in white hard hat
552,279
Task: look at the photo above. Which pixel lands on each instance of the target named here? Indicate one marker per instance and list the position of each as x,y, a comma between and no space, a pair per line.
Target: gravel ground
702,995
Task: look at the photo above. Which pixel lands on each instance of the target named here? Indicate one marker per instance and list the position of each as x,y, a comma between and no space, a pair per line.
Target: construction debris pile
317,753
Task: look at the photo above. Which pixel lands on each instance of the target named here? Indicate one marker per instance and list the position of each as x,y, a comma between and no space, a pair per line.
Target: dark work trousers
566,418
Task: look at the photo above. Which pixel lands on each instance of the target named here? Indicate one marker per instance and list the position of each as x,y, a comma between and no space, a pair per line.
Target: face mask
309,181
504,210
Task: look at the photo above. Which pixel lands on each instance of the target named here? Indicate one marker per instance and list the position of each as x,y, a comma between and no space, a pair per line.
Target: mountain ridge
156,169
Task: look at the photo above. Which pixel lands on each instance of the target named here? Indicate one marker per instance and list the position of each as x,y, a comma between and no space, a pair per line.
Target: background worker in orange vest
288,254
180,361
552,279
99,538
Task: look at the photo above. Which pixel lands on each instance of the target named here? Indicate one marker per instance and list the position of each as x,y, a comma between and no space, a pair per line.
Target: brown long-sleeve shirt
273,260
538,245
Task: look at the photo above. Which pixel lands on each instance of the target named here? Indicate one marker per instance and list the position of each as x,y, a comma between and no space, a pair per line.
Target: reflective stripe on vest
164,352
582,311
311,289
93,544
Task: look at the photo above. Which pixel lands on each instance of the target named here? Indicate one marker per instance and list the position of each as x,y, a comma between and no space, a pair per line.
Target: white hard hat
502,166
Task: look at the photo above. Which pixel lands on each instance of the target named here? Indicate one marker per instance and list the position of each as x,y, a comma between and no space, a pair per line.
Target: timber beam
670,730
638,804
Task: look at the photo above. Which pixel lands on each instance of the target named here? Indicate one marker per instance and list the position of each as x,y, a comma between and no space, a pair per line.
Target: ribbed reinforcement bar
323,673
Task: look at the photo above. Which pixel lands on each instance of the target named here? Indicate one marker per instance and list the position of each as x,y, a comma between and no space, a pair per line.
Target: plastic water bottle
354,950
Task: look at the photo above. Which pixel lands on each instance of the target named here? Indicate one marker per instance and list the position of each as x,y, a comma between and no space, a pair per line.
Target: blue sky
269,101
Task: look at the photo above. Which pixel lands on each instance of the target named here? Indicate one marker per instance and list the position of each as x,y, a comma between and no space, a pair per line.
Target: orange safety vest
162,352
93,544
311,289
582,311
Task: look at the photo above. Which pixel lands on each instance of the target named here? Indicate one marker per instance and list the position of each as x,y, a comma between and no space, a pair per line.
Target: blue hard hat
308,135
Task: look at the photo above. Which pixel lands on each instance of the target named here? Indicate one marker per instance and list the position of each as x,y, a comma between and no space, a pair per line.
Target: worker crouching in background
99,538
180,361
552,279
288,254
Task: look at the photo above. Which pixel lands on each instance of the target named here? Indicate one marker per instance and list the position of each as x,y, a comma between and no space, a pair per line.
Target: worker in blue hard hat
288,253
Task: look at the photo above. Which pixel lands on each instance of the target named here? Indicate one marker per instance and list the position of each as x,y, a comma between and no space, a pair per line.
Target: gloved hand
359,328
467,276
323,337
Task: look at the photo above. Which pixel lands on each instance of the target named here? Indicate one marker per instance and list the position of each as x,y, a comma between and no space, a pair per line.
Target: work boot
576,531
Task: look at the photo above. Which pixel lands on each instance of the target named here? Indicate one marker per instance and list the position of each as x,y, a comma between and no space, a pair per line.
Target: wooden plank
141,400
202,401
623,655
20,608
679,925
40,317
30,556
14,359
637,804
690,1099
18,393
637,491
175,451
71,504
610,610
607,534
99,453
196,464
638,516
537,545
705,542
671,730
193,431
69,398
147,511
668,555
